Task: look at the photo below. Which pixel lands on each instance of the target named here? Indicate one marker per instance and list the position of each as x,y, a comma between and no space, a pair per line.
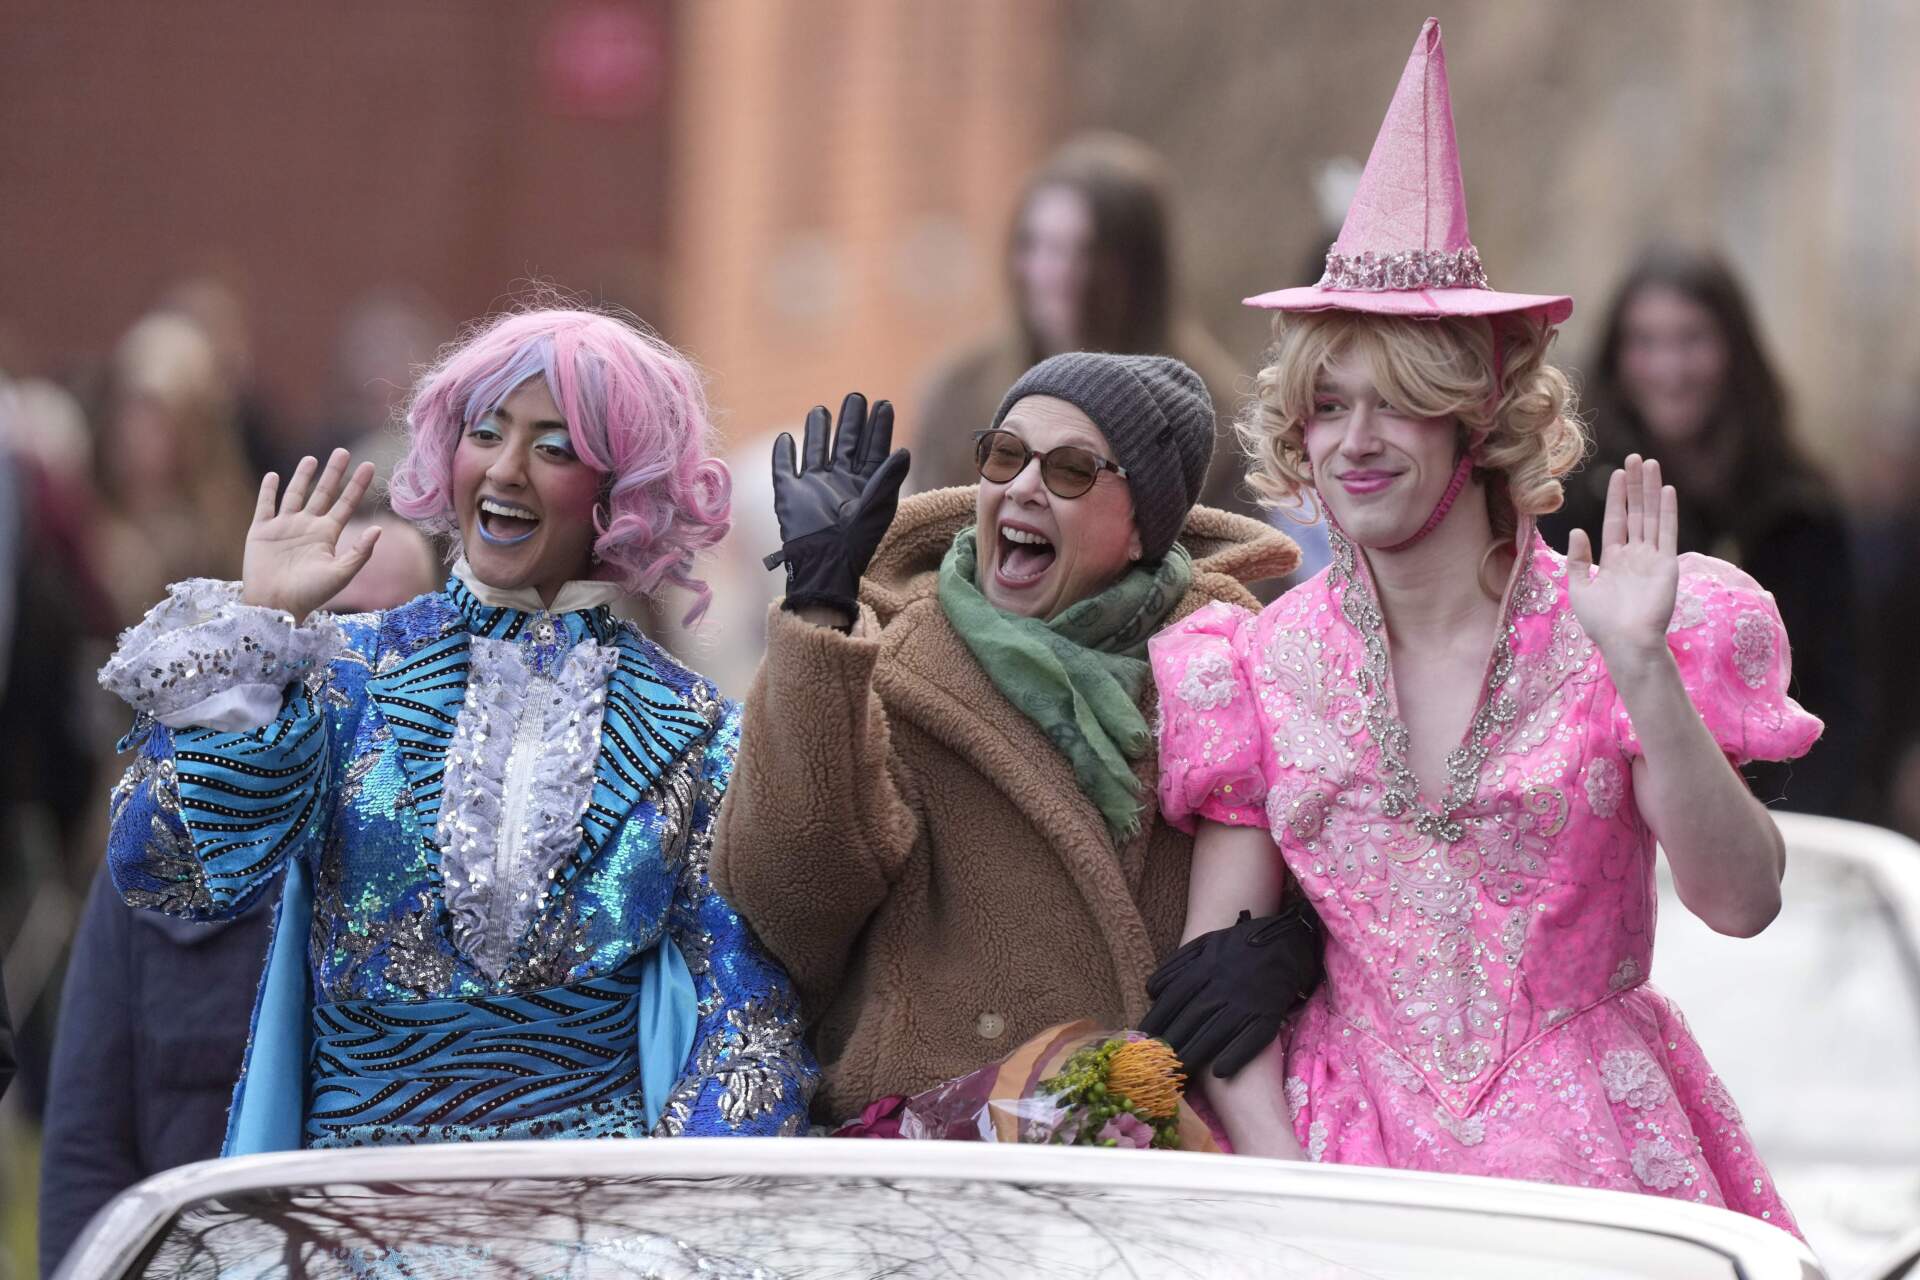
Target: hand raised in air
1626,602
293,559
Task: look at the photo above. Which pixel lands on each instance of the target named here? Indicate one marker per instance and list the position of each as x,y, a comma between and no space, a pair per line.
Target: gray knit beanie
1157,416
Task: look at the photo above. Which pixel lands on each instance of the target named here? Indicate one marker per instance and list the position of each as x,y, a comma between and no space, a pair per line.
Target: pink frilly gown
1486,1007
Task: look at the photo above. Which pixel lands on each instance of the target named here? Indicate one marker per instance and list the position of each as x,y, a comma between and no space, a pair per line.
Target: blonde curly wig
1522,443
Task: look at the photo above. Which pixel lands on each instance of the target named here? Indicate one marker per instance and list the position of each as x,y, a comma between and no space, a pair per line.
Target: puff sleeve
1210,739
1731,647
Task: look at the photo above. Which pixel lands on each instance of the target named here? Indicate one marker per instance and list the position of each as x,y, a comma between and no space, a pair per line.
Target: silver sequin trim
170,859
1496,710
201,641
1372,272
500,848
755,1058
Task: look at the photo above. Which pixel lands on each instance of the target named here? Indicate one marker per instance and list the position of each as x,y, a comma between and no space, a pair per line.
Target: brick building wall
314,153
843,174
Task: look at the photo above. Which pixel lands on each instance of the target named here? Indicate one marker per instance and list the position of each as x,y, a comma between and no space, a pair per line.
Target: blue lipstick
503,542
494,539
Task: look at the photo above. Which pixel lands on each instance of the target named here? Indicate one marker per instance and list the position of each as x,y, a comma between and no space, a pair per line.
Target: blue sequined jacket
481,896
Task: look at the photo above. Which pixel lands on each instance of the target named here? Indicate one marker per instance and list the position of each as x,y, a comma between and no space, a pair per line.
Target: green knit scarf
1080,675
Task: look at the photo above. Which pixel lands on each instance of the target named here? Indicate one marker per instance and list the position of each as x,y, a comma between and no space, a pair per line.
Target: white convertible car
1815,1027
729,1209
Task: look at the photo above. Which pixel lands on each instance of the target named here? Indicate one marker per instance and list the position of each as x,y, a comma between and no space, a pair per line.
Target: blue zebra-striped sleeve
750,1072
203,819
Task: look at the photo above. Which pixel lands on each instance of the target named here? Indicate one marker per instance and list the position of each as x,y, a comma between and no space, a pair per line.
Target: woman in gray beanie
943,818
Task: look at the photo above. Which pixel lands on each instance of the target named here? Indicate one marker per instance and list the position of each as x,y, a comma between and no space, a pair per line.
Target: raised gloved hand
836,505
1221,998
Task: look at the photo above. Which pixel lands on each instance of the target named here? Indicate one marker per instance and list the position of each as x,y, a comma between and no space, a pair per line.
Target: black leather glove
834,508
1222,997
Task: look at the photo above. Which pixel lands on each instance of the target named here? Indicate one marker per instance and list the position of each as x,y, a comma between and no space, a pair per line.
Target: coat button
990,1026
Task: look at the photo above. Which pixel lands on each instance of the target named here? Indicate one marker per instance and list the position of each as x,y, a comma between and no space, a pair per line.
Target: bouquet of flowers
1071,1085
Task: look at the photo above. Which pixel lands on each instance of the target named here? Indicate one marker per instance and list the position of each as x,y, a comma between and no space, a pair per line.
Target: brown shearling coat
917,853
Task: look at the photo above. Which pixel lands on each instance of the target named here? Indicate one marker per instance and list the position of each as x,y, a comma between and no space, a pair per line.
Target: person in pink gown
1463,746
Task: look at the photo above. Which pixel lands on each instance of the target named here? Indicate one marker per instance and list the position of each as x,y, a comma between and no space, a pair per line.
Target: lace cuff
202,659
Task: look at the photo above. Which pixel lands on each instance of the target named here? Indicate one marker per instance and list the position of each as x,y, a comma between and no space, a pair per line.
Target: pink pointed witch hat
1404,249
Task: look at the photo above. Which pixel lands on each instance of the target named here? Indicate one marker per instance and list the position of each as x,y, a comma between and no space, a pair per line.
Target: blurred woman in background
173,486
1682,373
1089,268
1884,501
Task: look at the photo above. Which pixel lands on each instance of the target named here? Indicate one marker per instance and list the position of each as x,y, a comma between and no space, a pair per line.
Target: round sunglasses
1067,471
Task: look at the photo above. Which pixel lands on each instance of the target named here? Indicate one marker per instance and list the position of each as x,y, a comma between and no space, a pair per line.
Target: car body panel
1814,1025
826,1207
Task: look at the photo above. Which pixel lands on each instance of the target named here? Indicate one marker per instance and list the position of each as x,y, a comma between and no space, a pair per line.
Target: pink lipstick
1367,481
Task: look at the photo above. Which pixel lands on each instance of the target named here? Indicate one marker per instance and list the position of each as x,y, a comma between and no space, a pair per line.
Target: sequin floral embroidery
1208,683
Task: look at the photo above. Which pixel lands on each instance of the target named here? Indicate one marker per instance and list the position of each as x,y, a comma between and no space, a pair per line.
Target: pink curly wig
635,411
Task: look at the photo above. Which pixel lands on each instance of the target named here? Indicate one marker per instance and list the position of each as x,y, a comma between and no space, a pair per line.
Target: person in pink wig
1462,746
492,804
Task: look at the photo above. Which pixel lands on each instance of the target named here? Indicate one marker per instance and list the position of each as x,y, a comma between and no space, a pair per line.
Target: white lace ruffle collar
575,597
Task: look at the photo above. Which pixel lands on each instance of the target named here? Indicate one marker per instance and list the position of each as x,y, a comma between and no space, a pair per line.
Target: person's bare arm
1236,869
1726,853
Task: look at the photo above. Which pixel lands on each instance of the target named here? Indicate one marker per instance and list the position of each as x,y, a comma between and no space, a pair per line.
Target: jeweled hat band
1413,269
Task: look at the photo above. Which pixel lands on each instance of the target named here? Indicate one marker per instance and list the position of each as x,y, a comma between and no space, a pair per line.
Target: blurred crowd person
215,302
1886,494
404,564
173,478
154,1013
121,473
51,608
1683,375
387,337
153,1023
6,1044
1090,267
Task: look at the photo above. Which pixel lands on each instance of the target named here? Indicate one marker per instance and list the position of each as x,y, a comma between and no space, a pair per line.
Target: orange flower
1149,1076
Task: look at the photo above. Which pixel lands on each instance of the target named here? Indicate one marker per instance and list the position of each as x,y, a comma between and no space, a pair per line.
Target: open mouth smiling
505,524
1024,556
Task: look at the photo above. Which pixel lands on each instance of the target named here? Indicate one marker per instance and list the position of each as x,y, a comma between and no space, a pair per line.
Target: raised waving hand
1626,603
834,506
294,560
